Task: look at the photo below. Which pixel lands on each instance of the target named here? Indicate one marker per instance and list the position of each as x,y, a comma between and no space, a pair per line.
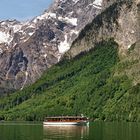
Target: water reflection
20,131
114,131
66,132
96,131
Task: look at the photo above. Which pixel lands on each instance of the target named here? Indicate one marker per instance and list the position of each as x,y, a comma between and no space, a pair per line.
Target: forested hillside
93,83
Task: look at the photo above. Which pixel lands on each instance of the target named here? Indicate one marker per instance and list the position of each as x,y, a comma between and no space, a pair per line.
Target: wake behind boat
66,120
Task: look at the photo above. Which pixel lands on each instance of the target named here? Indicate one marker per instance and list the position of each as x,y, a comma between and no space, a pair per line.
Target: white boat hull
65,123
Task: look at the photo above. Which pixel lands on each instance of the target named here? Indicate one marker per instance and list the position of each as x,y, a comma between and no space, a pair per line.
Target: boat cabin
66,119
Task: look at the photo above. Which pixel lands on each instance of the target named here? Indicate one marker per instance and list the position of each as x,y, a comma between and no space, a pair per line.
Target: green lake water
95,131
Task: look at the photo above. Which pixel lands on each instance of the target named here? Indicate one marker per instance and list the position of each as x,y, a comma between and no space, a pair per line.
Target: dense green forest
93,83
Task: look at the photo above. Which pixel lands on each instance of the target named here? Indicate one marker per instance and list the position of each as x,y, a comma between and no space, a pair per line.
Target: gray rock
120,20
28,48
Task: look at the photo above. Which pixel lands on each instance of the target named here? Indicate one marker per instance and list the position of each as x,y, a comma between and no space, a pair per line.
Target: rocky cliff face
27,49
119,20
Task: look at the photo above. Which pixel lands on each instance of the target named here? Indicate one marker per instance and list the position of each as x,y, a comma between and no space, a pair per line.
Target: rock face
27,49
119,20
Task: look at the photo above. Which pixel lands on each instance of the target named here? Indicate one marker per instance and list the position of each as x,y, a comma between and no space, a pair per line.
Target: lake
95,131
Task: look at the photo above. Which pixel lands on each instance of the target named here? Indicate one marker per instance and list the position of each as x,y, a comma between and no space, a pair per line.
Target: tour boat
66,120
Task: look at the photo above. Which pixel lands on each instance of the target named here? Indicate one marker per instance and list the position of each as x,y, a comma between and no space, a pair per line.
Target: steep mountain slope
27,49
98,76
86,84
120,20
67,86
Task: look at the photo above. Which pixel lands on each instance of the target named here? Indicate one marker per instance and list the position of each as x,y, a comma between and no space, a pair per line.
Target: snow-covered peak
65,18
39,43
45,16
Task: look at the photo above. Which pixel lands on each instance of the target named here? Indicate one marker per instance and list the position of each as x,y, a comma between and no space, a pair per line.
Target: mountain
97,76
120,20
29,48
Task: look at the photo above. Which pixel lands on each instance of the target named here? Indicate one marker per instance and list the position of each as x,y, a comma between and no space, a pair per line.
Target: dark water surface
95,131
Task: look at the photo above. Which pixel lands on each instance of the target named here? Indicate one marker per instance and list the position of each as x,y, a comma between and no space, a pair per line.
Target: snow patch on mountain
75,1
97,4
16,28
74,32
30,34
64,46
5,37
45,16
53,15
72,21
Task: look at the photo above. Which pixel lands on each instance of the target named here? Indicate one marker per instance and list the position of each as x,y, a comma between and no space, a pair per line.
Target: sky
22,9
